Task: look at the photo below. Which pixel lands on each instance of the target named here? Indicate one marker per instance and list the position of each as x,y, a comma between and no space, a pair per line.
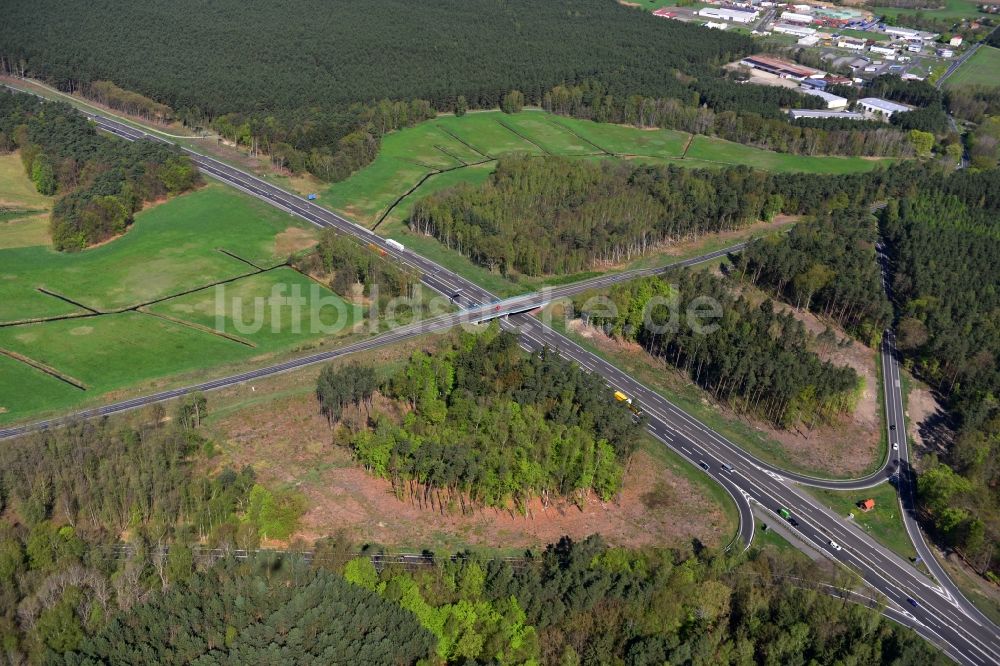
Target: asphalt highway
911,597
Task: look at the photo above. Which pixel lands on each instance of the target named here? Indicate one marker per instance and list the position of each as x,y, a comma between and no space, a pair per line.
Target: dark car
892,426
703,465
793,522
911,602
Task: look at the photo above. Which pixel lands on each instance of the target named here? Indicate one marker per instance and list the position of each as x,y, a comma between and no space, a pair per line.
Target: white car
895,446
834,545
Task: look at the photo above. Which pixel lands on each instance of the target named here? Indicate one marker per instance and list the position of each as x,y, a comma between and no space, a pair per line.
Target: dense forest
102,181
68,496
945,246
315,107
749,355
340,262
486,425
550,215
826,265
573,603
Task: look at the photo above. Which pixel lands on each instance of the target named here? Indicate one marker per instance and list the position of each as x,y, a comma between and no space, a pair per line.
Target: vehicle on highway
834,545
621,397
784,513
727,467
395,245
892,426
703,465
912,602
793,522
895,446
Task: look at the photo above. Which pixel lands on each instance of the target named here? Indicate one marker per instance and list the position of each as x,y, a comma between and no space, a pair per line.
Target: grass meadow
979,70
141,310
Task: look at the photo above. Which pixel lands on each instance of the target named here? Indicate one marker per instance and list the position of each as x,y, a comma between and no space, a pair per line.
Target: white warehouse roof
819,113
883,105
832,101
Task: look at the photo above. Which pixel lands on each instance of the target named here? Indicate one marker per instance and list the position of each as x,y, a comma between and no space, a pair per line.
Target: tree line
826,265
486,426
551,215
746,114
580,602
102,181
344,265
749,355
945,245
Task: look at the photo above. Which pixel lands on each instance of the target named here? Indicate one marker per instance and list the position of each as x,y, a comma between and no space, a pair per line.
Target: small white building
716,26
792,29
727,14
795,114
851,43
882,109
795,17
946,53
809,40
914,48
955,41
902,33
883,50
832,101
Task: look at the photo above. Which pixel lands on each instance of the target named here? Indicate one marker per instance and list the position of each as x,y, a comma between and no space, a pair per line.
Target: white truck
395,245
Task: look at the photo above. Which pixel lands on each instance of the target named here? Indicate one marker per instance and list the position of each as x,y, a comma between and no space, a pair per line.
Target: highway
934,613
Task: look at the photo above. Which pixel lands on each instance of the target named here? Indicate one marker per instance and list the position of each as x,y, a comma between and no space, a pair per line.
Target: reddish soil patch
927,422
289,444
292,240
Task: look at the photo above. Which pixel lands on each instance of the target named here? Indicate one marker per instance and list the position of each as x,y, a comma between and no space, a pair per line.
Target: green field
982,69
174,247
157,290
256,310
726,152
24,213
25,390
951,9
113,351
884,522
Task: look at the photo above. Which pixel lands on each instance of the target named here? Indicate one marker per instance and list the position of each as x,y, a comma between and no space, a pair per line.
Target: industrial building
795,17
884,50
729,14
882,109
851,43
832,101
796,114
792,29
782,68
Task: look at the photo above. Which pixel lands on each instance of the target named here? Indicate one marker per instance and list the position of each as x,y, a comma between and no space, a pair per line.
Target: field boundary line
198,327
41,367
524,138
239,258
135,308
581,138
454,157
687,146
465,143
420,182
68,300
